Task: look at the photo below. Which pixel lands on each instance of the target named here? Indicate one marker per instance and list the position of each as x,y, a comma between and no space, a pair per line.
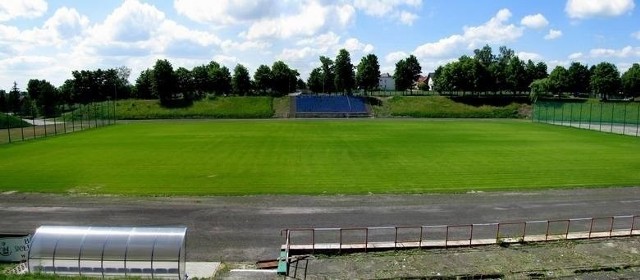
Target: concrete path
248,228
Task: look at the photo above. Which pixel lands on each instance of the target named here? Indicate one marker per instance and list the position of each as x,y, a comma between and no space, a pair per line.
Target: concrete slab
256,274
202,269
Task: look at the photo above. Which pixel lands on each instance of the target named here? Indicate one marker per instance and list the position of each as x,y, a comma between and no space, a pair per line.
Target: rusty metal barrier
445,236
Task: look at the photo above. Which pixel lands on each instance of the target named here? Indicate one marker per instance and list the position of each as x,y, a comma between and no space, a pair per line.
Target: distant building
386,82
420,82
430,77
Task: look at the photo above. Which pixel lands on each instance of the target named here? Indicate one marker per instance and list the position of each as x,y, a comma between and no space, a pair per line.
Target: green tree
328,74
219,78
284,79
631,81
45,96
241,82
605,80
3,101
262,78
368,74
144,85
163,81
345,77
200,77
300,84
184,84
538,88
579,78
516,75
558,80
407,71
14,99
314,82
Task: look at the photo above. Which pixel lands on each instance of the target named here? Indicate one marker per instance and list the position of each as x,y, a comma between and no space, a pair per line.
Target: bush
7,121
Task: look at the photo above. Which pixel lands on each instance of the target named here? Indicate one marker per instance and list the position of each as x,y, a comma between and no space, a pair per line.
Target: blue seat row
329,104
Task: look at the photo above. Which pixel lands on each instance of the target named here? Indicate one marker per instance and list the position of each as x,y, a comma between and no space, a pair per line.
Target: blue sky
42,39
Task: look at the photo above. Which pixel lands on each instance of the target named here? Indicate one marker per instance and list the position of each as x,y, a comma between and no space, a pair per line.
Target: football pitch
248,157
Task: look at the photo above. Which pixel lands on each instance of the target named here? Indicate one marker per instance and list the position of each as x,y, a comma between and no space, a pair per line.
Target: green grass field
240,157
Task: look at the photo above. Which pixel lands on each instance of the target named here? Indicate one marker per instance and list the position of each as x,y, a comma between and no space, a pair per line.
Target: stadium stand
318,106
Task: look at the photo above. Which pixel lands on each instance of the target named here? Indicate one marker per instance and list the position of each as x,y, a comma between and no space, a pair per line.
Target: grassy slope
440,107
7,121
316,157
226,107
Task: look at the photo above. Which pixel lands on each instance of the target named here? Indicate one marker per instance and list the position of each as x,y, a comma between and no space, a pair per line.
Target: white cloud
390,9
354,45
525,56
326,44
625,52
225,12
67,23
323,41
307,21
407,17
576,56
581,9
229,46
553,34
494,31
394,57
11,9
380,8
536,21
636,35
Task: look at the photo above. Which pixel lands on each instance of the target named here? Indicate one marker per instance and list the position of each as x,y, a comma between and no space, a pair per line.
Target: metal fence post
33,122
590,228
570,113
624,120
611,226
562,114
446,238
546,235
45,126
590,112
471,236
613,110
55,126
580,116
601,109
554,113
8,129
22,132
546,113
637,119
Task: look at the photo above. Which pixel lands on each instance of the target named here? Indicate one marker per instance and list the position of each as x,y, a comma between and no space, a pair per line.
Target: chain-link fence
21,127
612,117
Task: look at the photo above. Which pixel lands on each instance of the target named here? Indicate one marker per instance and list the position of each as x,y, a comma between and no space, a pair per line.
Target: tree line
505,72
483,72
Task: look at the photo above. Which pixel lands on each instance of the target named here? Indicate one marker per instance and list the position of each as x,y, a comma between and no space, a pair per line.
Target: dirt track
248,228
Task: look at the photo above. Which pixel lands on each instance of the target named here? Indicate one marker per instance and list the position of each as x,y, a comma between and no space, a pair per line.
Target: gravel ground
588,259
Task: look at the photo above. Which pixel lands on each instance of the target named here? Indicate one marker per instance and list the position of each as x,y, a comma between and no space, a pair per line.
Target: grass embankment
222,108
441,107
243,157
7,121
216,108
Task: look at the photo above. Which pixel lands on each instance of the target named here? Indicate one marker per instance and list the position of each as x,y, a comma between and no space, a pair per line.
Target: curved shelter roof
156,252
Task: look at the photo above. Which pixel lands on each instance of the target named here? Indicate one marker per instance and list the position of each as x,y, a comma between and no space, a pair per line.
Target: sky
42,39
